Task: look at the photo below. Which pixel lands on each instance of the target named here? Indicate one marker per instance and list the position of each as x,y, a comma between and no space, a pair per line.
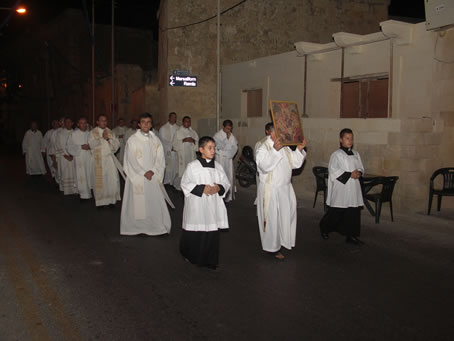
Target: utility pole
218,68
113,63
93,80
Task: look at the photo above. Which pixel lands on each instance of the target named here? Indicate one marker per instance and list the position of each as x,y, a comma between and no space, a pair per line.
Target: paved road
65,273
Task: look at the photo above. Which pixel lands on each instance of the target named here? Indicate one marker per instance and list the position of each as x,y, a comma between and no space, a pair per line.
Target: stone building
394,88
253,29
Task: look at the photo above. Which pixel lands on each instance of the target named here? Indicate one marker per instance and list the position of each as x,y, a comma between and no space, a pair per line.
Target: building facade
394,88
249,29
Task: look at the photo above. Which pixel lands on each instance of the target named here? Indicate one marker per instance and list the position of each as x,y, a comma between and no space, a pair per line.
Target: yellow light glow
21,10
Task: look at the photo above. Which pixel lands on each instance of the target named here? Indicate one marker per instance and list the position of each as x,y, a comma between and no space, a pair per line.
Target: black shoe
325,235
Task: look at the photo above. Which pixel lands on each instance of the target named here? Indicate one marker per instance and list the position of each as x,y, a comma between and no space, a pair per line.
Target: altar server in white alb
167,132
46,147
226,149
276,200
66,164
79,148
344,198
120,131
103,144
33,151
204,185
52,146
131,130
185,144
144,209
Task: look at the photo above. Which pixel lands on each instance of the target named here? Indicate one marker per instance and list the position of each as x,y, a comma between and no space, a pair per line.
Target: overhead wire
204,20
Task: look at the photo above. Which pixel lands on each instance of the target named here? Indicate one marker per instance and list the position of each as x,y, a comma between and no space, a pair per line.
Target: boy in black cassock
344,198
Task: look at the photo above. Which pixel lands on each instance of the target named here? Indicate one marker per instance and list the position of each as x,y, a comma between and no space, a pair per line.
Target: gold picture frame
287,122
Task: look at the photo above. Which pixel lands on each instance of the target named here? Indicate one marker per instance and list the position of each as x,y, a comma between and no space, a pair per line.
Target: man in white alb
78,147
52,147
185,144
120,131
276,200
66,164
103,144
167,132
226,148
32,150
144,209
46,147
131,130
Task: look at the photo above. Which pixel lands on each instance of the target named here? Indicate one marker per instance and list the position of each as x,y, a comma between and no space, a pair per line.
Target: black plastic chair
446,190
385,195
321,173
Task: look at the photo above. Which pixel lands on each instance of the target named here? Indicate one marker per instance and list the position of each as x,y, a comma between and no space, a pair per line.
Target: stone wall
254,29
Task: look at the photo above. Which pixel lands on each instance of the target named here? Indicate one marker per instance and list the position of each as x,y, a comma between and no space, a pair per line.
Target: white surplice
106,186
348,194
167,132
186,151
66,168
84,162
144,209
121,131
32,149
276,200
208,212
226,149
46,146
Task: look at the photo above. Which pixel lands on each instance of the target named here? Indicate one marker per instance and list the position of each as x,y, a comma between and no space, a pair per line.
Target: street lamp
19,10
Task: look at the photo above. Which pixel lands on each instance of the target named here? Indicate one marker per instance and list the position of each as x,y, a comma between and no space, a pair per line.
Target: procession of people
89,162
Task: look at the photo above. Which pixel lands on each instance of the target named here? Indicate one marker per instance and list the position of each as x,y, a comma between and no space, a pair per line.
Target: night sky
134,13
130,13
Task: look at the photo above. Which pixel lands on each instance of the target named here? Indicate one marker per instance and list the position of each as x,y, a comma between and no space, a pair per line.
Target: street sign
180,72
188,81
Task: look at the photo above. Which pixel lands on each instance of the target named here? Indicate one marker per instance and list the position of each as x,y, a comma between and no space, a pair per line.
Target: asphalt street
67,274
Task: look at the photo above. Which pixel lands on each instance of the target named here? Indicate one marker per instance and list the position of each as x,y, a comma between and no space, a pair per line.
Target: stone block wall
410,148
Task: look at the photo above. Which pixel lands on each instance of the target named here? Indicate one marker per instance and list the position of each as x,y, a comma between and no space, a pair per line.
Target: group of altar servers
83,160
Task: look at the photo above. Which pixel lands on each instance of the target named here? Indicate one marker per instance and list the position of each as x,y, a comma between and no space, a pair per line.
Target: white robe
121,131
52,149
66,168
32,149
128,134
276,200
226,149
348,194
167,132
106,186
186,151
46,147
84,162
144,209
256,147
206,213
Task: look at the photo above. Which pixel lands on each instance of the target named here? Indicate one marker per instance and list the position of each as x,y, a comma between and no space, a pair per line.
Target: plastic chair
448,186
385,195
321,173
